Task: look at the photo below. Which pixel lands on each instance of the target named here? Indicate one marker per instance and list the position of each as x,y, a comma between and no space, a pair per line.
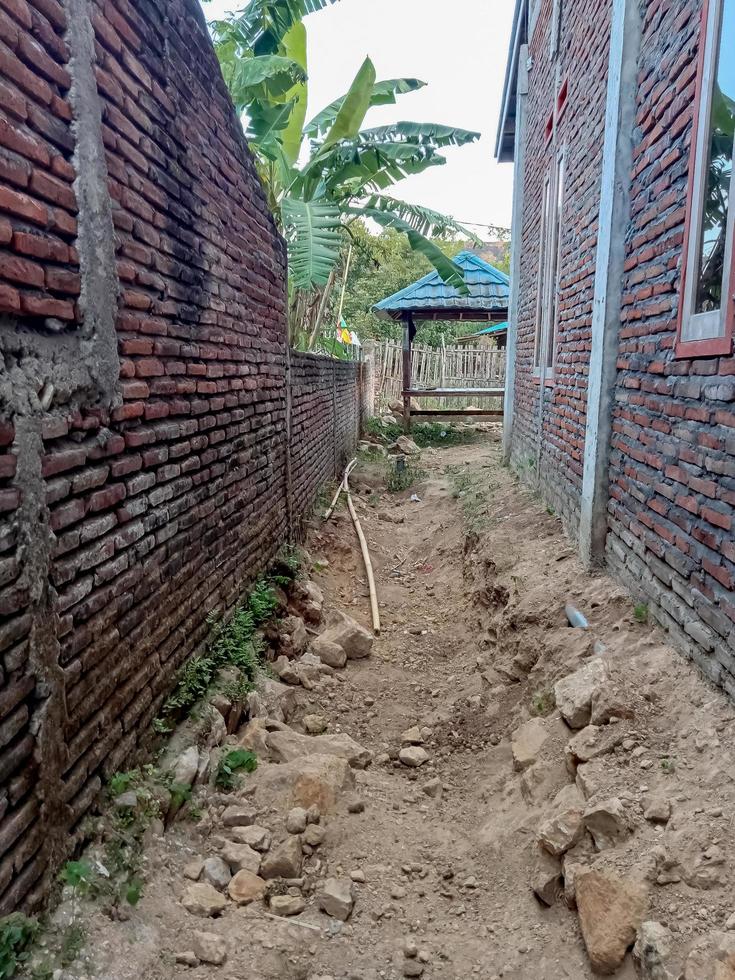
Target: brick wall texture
557,451
671,511
156,438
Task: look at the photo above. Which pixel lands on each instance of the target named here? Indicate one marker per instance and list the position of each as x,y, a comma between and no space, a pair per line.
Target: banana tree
323,174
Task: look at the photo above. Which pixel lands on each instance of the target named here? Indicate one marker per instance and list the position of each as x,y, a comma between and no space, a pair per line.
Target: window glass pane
543,258
554,273
719,149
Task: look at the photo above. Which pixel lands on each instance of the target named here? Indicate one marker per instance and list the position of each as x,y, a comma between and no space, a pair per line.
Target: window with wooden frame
547,303
707,305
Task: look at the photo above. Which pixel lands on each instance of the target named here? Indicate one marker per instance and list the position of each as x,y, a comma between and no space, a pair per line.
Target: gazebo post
409,331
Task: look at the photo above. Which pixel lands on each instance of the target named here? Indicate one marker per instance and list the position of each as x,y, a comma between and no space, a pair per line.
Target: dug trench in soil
509,752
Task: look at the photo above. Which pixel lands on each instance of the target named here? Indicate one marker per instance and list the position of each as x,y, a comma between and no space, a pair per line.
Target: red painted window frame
713,346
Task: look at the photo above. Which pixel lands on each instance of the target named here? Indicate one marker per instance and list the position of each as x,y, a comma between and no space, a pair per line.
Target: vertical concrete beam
95,230
614,213
516,235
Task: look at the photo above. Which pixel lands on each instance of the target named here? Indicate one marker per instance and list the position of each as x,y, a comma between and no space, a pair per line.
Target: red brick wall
672,463
582,63
143,476
672,510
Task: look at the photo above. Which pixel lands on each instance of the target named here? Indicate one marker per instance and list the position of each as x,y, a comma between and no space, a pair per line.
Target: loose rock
283,861
336,898
328,651
246,887
285,746
287,905
208,947
296,820
256,837
216,872
315,724
658,810
606,823
204,900
241,856
564,828
355,640
575,692
527,742
413,756
610,912
238,816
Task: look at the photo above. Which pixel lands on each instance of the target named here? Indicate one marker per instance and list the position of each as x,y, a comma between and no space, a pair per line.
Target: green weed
668,766
72,943
640,612
239,760
543,703
424,434
17,934
398,480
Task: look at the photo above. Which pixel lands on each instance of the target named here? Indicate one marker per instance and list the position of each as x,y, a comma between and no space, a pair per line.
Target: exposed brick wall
325,419
672,462
584,40
143,395
672,508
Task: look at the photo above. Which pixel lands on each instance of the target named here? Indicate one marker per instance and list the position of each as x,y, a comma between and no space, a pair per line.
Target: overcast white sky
459,48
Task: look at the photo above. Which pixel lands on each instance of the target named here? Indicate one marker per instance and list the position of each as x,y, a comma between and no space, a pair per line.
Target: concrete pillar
614,214
516,235
368,378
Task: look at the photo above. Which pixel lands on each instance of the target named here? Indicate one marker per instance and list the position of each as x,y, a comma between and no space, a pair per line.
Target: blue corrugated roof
494,328
489,290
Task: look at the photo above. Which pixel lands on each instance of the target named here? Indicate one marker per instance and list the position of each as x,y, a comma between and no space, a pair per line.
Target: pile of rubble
585,852
255,853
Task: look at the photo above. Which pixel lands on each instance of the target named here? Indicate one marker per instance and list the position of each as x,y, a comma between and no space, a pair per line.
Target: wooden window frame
548,290
717,326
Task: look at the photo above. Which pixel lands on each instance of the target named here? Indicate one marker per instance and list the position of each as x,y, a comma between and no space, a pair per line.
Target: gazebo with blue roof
430,298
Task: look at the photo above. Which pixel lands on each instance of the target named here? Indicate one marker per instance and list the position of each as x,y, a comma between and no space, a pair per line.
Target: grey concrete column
614,214
516,235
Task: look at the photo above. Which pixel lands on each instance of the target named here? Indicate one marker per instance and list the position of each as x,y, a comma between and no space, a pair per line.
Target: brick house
619,117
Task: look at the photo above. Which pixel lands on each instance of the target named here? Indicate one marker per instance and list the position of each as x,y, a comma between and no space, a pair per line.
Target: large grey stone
337,898
527,742
575,692
328,651
355,640
283,861
286,746
203,899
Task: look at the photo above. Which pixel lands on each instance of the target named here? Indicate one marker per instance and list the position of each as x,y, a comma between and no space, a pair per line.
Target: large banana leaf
352,111
359,168
427,134
294,44
385,92
266,77
312,230
266,123
449,271
263,24
423,220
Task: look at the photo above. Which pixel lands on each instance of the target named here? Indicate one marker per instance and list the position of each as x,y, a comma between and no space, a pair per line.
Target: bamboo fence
433,367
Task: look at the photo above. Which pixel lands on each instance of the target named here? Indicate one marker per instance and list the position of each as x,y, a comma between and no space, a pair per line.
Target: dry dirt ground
473,581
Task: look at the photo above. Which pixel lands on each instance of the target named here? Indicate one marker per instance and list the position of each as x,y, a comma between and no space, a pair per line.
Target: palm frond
385,92
423,220
312,231
427,134
449,271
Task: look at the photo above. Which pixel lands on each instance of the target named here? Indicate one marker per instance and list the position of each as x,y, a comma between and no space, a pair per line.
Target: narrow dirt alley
506,751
